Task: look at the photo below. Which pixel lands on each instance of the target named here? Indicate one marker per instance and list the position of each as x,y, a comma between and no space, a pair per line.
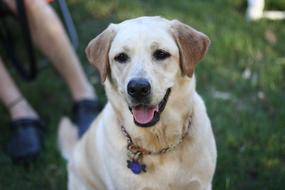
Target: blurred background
242,80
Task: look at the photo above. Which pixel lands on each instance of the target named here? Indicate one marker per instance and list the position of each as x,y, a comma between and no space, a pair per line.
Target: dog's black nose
138,88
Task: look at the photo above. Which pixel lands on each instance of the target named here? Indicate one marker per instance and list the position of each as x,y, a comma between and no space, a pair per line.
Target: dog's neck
169,129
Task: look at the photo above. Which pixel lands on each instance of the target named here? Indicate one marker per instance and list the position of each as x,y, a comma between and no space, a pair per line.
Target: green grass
249,126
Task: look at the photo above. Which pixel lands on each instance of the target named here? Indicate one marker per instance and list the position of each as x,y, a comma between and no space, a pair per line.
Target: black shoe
83,113
25,141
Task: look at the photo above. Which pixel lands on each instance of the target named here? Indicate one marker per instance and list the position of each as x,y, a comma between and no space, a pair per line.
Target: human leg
25,141
12,98
49,36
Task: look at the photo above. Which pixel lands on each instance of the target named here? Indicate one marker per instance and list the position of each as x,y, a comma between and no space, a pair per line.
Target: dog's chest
168,174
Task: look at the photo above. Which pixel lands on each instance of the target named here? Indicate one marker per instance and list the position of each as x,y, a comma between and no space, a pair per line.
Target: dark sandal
83,113
25,141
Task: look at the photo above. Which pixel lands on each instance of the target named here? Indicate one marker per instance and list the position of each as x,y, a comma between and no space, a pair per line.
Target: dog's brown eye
161,54
121,58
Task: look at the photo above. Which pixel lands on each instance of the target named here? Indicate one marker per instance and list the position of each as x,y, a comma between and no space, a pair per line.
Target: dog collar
135,153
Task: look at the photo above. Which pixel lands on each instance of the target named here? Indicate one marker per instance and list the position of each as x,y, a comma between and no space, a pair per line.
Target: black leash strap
8,43
22,16
68,23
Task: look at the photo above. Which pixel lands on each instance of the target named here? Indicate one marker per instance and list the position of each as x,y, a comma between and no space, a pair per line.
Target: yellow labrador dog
154,133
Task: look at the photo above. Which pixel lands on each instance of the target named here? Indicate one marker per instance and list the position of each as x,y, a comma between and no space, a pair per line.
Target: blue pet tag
136,167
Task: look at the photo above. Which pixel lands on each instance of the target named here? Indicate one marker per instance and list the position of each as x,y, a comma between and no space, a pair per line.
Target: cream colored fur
99,160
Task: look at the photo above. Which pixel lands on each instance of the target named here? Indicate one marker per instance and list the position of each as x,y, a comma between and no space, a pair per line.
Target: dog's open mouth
149,115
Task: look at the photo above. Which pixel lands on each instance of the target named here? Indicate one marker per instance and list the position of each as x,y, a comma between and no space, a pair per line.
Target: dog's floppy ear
192,45
98,49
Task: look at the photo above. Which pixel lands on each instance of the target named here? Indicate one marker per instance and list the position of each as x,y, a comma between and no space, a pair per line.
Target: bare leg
12,98
25,140
48,34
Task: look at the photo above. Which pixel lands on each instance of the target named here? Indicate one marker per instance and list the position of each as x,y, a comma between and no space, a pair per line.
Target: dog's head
144,57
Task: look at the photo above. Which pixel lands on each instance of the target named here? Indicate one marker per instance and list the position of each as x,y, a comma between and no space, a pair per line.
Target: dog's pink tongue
144,114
